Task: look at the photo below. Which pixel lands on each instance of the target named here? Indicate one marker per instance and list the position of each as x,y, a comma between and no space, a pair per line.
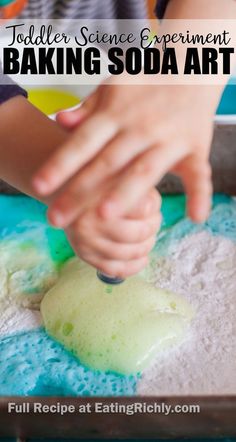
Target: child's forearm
27,138
210,9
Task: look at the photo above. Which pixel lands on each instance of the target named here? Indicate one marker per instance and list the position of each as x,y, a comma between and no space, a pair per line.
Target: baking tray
217,417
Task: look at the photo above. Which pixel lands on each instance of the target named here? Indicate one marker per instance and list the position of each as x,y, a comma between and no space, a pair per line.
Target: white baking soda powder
201,267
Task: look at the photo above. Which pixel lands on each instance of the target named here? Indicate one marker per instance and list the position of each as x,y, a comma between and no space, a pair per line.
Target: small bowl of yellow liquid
50,101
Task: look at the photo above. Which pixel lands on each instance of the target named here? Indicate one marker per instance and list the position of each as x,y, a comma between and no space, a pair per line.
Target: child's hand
136,133
118,248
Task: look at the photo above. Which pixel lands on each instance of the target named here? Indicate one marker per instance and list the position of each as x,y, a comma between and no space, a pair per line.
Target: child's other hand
118,248
138,134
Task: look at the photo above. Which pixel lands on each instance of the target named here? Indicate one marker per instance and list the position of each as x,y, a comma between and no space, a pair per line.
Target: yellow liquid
51,101
112,328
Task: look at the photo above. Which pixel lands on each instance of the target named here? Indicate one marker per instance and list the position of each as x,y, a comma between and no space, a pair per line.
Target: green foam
118,329
59,247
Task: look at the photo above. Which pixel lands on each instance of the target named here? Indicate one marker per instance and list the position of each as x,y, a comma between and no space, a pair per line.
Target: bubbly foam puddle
117,328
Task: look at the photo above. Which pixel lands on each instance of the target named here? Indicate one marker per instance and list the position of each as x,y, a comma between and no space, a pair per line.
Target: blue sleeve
161,8
9,89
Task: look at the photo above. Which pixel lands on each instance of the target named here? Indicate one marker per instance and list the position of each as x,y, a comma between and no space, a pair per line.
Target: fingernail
56,218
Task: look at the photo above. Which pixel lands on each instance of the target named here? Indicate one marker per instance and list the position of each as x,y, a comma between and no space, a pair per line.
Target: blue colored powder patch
176,226
32,364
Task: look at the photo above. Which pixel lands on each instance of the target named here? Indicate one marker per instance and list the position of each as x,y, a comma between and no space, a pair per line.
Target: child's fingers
70,119
111,266
145,172
129,230
122,149
196,176
73,201
66,208
106,249
148,206
82,146
120,269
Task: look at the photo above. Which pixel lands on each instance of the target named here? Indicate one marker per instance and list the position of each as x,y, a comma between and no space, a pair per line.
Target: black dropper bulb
109,279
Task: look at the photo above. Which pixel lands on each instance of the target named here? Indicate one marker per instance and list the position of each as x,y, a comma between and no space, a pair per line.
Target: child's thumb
70,119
